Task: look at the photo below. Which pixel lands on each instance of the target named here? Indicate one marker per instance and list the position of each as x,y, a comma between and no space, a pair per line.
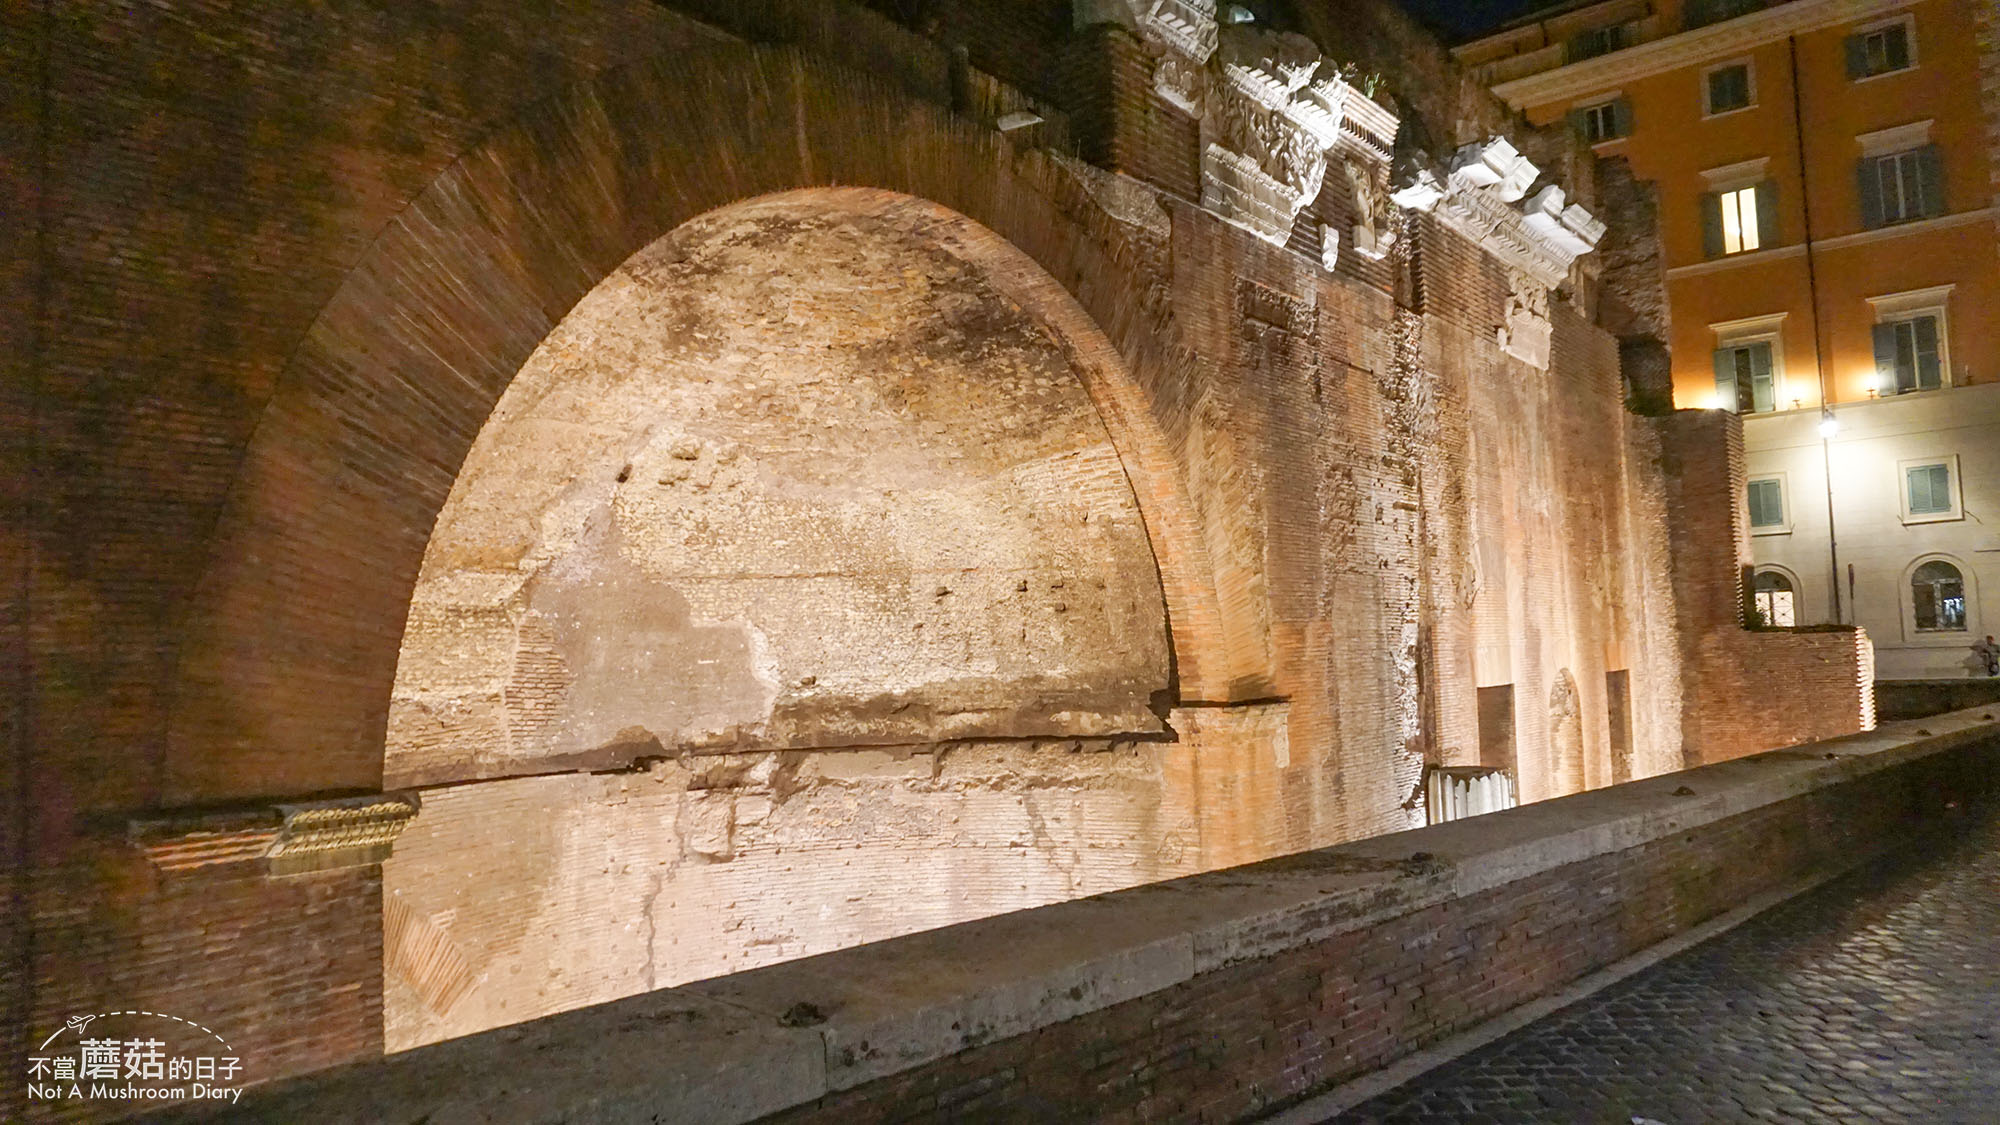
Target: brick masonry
1212,998
1251,1037
1732,701
229,466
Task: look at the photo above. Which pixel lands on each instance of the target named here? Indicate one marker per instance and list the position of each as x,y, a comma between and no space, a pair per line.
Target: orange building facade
1826,174
1812,107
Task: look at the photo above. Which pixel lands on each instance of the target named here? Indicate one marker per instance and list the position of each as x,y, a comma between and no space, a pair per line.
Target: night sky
1461,19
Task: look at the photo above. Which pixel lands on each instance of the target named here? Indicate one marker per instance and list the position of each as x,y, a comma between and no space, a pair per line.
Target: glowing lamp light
1828,425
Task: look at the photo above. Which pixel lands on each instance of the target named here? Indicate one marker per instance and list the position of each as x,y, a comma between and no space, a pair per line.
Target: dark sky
1462,19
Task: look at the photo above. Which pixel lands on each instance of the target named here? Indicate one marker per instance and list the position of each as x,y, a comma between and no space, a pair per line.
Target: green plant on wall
1366,81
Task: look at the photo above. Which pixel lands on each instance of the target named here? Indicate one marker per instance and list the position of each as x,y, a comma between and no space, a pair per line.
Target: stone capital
291,838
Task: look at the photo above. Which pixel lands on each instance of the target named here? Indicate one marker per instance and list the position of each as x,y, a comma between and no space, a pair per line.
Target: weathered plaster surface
784,479
518,898
893,1006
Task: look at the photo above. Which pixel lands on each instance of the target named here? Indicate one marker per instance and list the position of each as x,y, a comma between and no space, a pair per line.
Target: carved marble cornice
291,838
1273,112
1184,32
1187,26
1480,198
1276,115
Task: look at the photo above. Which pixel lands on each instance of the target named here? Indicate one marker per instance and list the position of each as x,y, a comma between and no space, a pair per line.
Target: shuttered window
1701,13
1745,382
1929,489
1605,121
1879,50
1901,187
1597,41
1767,503
1908,356
1728,88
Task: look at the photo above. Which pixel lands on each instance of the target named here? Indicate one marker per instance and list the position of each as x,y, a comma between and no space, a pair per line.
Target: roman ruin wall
661,488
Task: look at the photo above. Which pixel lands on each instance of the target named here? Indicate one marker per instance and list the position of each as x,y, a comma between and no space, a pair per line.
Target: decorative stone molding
353,832
1896,138
1478,199
1743,173
1278,113
1273,112
1526,332
1184,33
1122,197
294,838
1372,234
1187,32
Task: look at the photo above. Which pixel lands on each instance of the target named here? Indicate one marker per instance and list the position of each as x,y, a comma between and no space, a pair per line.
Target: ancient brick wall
1986,18
192,185
289,266
286,969
1216,997
1633,297
1744,688
1239,1042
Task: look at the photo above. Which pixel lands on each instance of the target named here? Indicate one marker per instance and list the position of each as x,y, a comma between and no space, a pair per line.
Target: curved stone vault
794,479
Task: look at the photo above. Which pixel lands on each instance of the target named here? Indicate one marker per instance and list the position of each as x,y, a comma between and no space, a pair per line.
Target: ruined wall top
1275,111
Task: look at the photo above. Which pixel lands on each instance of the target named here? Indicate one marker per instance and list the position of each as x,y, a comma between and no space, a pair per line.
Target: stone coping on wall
735,1048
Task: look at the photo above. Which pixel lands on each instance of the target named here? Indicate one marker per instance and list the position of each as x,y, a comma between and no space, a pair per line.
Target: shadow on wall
1916,699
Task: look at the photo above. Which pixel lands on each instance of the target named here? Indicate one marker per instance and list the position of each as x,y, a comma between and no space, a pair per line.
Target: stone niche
785,479
793,597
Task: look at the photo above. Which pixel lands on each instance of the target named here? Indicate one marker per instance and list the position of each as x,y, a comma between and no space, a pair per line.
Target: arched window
1937,594
1774,594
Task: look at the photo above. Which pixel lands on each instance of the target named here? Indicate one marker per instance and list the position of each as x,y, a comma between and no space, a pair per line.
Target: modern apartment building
1826,173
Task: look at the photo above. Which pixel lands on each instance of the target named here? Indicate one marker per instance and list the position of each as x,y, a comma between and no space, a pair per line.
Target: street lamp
1828,427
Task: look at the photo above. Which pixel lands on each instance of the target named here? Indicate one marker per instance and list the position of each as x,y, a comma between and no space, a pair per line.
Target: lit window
1929,489
1774,598
1879,50
1937,594
1728,88
1767,503
1739,220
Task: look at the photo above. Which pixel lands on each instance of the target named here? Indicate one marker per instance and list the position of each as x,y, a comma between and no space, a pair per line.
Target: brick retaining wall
1215,997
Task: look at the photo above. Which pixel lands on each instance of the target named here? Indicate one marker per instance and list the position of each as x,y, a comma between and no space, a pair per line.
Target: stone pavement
1873,998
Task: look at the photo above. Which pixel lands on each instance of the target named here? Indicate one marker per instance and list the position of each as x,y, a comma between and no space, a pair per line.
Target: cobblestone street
1873,998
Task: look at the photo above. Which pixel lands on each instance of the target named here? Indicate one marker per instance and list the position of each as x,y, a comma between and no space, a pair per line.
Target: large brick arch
285,679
